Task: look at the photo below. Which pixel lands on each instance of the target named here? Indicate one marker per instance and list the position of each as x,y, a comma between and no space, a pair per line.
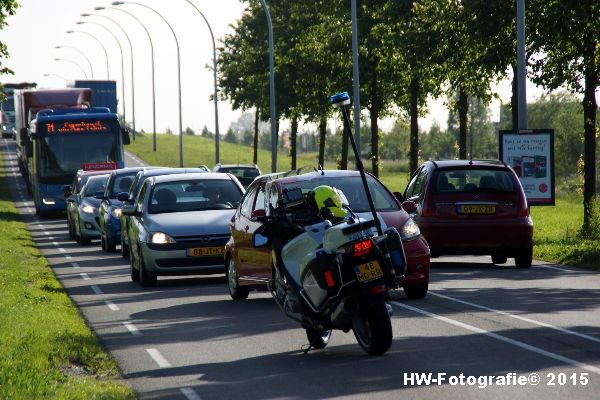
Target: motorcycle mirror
259,240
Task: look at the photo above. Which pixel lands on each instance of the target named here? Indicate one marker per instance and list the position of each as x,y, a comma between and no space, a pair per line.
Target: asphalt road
483,331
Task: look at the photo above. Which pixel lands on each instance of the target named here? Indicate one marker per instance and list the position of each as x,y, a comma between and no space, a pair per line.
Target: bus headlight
88,209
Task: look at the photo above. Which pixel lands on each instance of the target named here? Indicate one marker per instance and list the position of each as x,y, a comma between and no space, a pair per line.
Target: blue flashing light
340,99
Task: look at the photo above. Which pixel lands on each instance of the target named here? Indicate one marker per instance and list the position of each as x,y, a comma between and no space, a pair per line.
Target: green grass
201,151
556,229
46,349
557,235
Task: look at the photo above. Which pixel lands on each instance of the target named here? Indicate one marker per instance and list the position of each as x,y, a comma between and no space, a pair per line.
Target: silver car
180,223
85,214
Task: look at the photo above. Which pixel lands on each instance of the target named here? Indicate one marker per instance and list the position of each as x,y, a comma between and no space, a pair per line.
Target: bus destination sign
87,126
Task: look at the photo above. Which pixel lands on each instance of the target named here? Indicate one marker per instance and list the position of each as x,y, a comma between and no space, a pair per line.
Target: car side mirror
129,209
23,135
67,191
399,196
409,206
123,196
28,148
99,195
258,215
125,136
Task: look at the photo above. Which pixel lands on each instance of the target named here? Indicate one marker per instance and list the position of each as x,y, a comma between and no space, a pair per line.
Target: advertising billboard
531,154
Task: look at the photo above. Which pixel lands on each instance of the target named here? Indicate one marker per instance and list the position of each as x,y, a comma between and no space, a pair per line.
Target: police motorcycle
337,269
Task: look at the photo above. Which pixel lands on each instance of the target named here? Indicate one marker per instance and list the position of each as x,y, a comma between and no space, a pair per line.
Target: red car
472,208
248,268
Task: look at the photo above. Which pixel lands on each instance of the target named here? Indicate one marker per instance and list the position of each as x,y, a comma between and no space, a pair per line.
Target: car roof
96,178
293,176
249,166
468,163
81,173
197,175
128,170
156,171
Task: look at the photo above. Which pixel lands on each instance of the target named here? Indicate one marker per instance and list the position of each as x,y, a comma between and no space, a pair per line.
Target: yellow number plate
205,251
477,209
369,271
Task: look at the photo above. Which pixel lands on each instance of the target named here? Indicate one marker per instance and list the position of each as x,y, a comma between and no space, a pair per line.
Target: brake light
329,279
377,289
362,248
428,206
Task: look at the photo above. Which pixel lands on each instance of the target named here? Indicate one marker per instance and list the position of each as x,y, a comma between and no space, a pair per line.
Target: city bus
65,140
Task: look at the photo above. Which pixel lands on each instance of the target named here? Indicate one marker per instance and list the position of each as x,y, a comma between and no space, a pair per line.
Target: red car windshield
471,180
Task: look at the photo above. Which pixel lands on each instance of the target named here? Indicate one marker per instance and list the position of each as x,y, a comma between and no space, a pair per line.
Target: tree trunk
293,137
255,144
514,101
322,135
463,109
590,108
414,125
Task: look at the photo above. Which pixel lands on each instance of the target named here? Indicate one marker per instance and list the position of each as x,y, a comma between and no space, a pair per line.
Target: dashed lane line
525,319
132,328
501,338
158,358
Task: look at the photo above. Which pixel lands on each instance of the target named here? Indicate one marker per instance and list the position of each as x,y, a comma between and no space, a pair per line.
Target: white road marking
96,289
47,233
68,257
531,321
55,243
85,276
111,305
158,358
75,265
132,328
50,237
504,339
557,269
190,394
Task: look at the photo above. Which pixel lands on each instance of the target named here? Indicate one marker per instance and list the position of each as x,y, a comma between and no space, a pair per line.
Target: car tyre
135,274
146,278
124,248
236,291
416,290
524,258
499,259
109,245
102,243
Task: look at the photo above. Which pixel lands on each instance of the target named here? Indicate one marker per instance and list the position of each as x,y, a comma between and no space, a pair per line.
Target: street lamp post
101,45
74,63
118,3
122,67
215,95
152,68
82,54
355,78
271,90
521,67
132,73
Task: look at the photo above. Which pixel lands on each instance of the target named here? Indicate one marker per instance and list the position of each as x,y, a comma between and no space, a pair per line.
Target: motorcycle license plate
205,251
368,271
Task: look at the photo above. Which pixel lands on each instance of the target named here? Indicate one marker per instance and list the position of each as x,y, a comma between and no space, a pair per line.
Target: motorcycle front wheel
373,329
317,338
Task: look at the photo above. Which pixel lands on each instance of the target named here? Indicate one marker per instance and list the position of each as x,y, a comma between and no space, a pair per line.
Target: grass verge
46,349
556,232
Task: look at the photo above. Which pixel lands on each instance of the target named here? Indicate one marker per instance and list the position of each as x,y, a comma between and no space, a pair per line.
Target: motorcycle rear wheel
317,338
373,329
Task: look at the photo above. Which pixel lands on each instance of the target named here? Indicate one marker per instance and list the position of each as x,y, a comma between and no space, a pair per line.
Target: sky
41,25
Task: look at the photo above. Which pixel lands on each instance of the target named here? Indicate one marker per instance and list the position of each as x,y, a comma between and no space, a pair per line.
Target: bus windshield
62,153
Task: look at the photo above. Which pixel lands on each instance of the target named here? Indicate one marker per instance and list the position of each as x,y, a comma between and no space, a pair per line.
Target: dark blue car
110,207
